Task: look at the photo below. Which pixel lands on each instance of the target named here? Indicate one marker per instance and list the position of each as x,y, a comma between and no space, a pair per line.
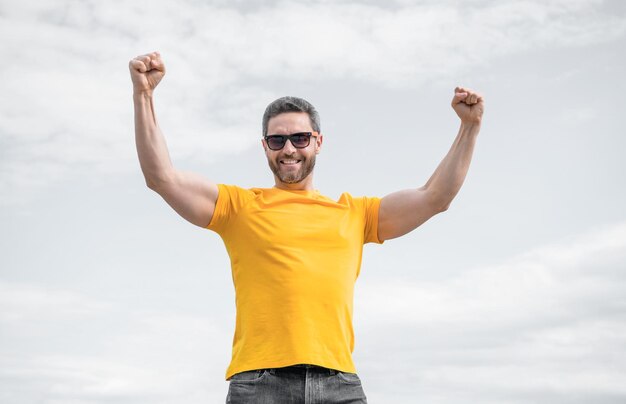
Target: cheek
271,156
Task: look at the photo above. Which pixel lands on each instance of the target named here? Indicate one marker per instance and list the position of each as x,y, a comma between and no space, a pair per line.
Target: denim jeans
299,384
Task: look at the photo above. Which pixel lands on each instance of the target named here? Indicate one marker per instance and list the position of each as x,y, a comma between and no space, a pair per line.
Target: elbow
440,204
151,181
436,200
158,182
152,185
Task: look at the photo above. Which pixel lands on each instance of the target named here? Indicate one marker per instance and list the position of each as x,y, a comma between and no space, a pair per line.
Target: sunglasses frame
288,138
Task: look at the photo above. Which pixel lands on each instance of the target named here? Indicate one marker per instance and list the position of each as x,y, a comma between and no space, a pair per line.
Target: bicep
190,195
404,211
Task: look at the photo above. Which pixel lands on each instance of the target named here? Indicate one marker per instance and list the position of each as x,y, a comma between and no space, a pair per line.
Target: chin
292,179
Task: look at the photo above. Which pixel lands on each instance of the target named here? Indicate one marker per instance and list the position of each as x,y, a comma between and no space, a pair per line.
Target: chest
300,225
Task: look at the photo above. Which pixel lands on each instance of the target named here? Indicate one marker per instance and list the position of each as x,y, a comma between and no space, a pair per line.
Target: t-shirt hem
349,368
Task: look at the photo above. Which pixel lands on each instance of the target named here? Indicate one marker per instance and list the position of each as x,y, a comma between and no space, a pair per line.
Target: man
295,254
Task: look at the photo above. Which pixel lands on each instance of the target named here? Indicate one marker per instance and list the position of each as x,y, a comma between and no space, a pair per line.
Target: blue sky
514,295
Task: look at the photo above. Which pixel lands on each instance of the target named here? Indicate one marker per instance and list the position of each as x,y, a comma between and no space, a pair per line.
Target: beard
290,176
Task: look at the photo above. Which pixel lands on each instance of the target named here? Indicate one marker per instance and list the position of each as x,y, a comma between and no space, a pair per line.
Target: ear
264,145
318,143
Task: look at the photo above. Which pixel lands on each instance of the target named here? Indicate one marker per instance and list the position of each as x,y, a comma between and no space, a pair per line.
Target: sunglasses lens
300,141
276,142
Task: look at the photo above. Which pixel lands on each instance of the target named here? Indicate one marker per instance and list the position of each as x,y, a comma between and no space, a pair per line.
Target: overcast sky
516,294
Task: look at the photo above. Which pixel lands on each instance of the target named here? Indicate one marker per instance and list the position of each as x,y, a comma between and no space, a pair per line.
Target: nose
288,148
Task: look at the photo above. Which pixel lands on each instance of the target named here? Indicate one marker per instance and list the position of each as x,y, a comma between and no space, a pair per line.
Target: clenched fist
468,105
146,71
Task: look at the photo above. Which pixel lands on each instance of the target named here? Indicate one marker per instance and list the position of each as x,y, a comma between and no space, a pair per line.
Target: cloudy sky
516,294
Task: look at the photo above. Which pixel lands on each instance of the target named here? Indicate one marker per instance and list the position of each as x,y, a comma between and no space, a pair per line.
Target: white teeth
289,161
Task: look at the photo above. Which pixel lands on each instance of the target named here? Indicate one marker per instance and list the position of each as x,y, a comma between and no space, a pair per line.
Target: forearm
449,176
151,146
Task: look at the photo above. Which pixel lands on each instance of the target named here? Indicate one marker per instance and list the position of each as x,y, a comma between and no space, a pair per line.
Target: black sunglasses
299,140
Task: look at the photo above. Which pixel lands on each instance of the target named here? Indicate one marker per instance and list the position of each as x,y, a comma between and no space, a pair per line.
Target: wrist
470,126
142,94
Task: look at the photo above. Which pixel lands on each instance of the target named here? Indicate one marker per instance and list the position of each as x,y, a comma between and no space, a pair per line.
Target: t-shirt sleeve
371,206
230,200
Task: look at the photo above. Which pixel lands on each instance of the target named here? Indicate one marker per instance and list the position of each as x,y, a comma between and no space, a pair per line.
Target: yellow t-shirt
295,256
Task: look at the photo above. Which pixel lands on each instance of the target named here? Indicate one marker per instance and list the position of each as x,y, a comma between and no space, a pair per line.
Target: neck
304,185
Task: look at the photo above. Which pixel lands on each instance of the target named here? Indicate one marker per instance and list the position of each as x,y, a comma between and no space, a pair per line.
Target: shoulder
363,201
235,190
234,196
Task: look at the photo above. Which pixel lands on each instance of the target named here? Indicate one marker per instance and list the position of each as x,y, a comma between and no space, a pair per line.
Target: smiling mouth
290,162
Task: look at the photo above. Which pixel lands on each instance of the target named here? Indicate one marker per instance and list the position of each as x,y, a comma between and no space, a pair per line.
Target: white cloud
543,324
66,103
62,346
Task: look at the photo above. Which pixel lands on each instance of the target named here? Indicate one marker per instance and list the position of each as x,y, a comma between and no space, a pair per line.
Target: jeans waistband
302,368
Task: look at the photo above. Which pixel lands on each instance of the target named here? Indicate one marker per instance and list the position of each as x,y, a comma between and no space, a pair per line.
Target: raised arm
403,211
190,195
